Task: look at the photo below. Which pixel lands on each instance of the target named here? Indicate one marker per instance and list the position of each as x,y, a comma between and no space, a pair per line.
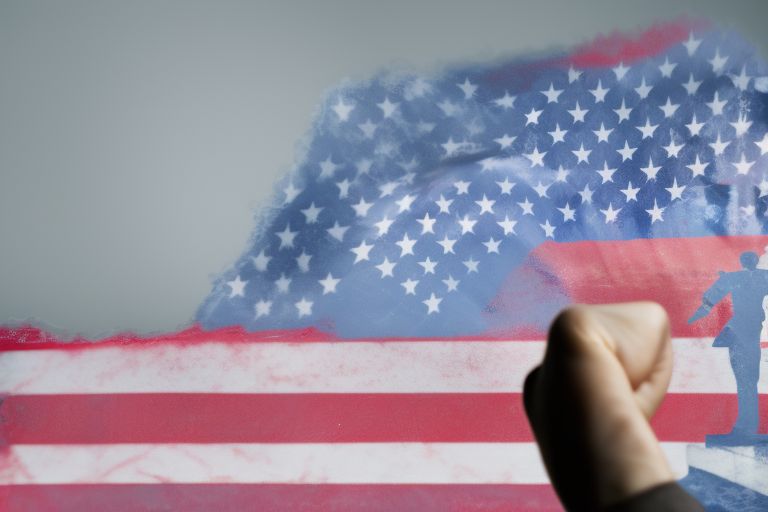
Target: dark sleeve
668,497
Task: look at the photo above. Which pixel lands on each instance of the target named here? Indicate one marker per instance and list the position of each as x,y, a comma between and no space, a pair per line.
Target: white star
419,88
283,283
620,71
263,308
672,149
387,107
558,135
650,170
505,101
668,108
692,85
561,174
648,129
719,146
343,109
424,127
471,265
742,166
568,213
552,93
338,231
578,113
406,245
368,128
675,191
486,205
506,186
302,261
363,165
626,152
718,62
427,224
468,88
433,304
311,213
428,265
452,147
410,286
656,212
630,192
697,168
507,225
536,157
290,193
763,144
304,307
449,108
694,127
599,92
451,283
447,244
383,225
741,80
586,194
444,204
691,44
667,68
527,207
610,213
533,116
573,75
541,189
606,174
643,89
361,208
462,187
386,189
260,262
237,287
343,187
329,284
405,203
327,168
467,225
763,187
386,267
717,104
741,125
361,251
505,141
748,210
549,229
286,237
602,133
492,245
623,112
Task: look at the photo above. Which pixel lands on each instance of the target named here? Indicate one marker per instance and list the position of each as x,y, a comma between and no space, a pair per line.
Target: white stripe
338,367
381,463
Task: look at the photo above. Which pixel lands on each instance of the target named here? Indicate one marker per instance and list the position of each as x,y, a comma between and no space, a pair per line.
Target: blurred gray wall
137,137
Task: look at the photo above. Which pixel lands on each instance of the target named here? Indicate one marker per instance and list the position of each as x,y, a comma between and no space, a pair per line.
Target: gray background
137,138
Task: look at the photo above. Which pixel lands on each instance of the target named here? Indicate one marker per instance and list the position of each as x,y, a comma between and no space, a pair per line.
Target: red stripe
612,49
672,271
314,418
275,497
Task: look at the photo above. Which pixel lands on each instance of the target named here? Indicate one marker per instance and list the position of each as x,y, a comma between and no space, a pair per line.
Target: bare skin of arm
605,371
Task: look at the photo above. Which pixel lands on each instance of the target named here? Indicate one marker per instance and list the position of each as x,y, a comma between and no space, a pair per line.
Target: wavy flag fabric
367,350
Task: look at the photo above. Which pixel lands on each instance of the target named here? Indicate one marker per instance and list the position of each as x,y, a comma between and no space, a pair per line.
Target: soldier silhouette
748,287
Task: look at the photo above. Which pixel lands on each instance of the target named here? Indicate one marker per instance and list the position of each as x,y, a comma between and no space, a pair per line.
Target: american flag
367,350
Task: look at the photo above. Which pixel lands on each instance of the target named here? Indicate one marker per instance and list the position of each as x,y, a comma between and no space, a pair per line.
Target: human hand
605,371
